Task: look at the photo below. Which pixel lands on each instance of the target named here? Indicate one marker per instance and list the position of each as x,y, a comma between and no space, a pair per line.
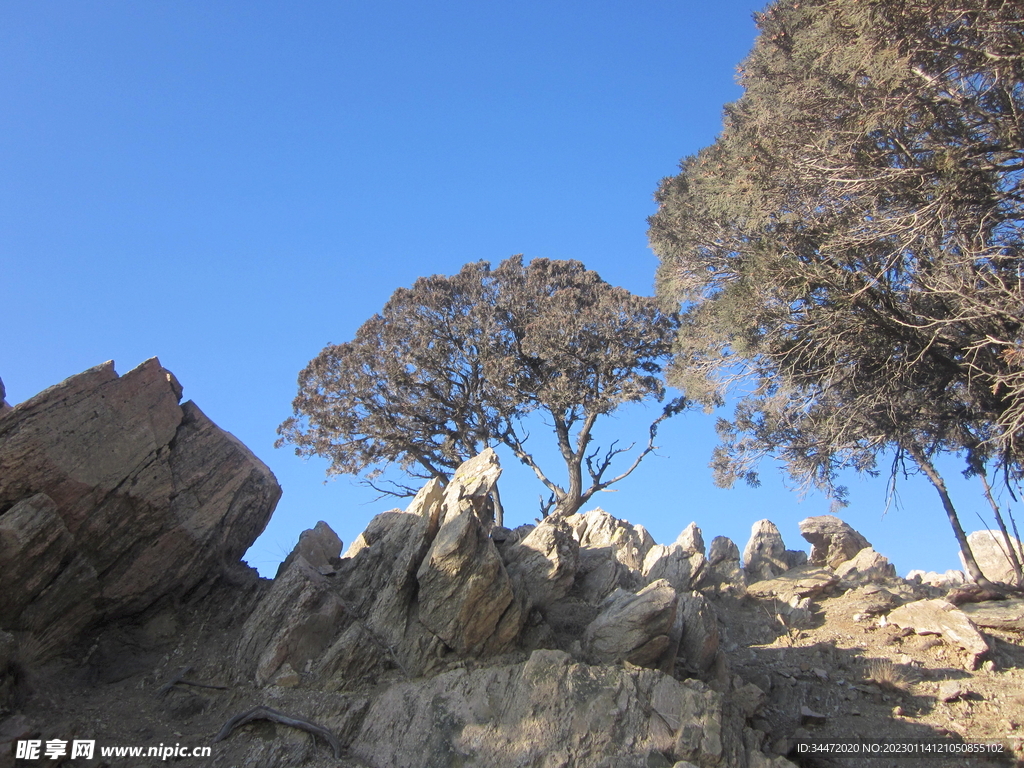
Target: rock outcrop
116,496
833,542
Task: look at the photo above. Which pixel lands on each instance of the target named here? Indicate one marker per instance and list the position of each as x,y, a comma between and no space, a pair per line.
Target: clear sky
229,186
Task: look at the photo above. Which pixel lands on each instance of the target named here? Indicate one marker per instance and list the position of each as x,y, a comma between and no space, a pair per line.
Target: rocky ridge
437,639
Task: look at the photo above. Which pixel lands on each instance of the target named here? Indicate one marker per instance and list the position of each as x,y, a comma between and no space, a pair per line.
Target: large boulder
697,628
866,566
292,625
833,542
152,495
464,590
634,628
939,617
993,557
377,582
50,589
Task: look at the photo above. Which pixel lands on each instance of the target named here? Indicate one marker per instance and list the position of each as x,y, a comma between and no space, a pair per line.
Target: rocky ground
438,639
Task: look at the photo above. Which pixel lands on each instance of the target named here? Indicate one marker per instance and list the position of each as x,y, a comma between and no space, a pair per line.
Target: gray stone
691,539
866,566
4,405
601,573
293,624
319,546
940,618
465,594
634,628
723,549
833,542
764,555
697,628
723,572
544,563
49,589
797,583
427,504
597,529
997,614
682,568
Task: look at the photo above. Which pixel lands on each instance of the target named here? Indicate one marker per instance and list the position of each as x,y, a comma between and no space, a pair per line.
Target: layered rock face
112,495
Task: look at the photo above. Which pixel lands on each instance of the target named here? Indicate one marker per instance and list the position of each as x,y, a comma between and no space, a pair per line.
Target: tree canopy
851,244
457,364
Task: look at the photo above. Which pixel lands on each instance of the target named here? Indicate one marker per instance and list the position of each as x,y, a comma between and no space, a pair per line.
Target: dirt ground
872,680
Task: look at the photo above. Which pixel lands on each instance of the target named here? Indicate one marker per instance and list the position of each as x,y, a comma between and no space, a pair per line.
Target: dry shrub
887,675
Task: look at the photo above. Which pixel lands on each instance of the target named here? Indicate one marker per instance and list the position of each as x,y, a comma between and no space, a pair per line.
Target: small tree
457,364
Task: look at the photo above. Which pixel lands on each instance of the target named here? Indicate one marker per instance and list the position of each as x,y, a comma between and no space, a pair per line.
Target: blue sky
230,186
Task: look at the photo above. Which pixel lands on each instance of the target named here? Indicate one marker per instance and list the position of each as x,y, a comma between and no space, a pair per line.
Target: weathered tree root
180,678
266,713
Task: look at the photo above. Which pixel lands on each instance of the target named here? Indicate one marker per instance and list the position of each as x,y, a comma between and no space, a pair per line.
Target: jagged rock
465,594
833,542
1002,614
294,623
599,716
691,539
939,617
319,546
544,563
867,565
682,569
600,573
155,497
723,549
470,486
696,626
427,504
635,628
50,589
377,581
992,556
724,573
764,557
597,529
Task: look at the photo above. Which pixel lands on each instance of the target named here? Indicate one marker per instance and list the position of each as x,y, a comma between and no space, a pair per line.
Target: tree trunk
965,548
499,511
1011,551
